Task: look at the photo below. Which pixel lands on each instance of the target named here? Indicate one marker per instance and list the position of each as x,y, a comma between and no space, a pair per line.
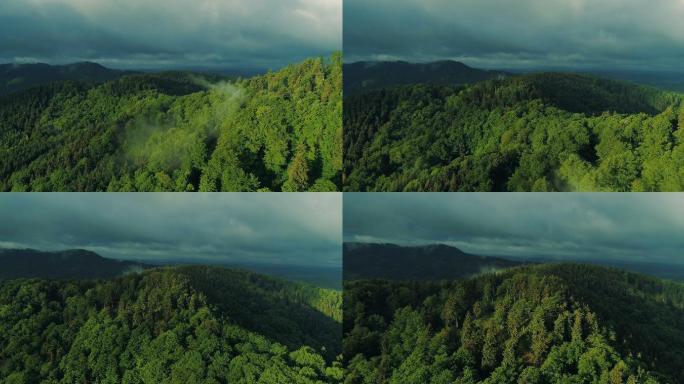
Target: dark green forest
177,131
539,132
550,323
170,325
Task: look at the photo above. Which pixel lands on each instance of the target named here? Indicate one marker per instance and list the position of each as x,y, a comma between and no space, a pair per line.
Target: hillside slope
362,77
432,262
542,132
71,264
189,324
556,323
177,132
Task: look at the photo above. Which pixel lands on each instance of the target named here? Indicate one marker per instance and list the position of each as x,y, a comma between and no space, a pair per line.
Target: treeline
546,132
163,326
281,131
536,324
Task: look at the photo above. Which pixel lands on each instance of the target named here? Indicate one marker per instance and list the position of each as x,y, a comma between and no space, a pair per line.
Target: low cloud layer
169,33
299,229
583,34
614,227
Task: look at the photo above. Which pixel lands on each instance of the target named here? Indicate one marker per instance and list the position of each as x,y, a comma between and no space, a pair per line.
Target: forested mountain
70,264
169,325
551,323
177,132
366,76
17,77
432,262
539,132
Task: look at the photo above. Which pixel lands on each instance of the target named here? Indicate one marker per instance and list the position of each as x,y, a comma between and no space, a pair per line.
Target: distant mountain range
17,77
84,264
70,264
366,76
442,262
431,262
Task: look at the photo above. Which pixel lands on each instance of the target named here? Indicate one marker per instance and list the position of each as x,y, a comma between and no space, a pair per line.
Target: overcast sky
583,34
170,33
579,226
301,228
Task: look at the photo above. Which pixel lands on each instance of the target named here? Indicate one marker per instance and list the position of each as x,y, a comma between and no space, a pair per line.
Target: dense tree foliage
177,132
173,325
542,132
551,323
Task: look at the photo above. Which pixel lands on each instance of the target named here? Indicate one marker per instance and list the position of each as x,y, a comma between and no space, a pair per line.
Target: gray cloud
587,34
302,229
635,227
161,33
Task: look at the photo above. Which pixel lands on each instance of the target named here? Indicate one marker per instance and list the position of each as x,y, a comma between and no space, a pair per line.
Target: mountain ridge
17,77
364,76
437,262
66,264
